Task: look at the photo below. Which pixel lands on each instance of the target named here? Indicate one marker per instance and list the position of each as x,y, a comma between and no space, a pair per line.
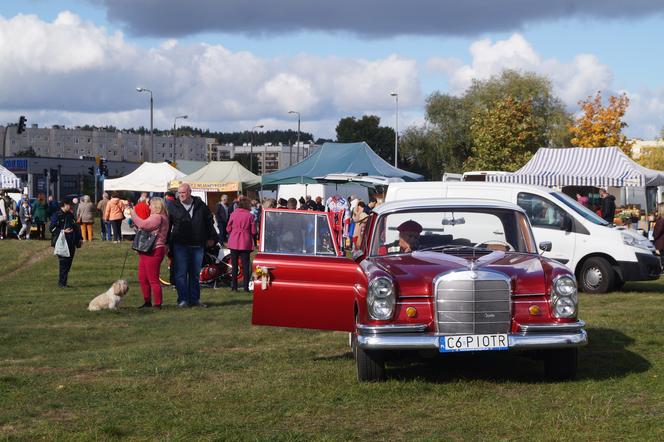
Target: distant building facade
61,142
639,146
267,157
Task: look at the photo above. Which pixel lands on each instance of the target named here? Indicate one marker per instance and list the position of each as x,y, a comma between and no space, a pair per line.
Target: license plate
473,342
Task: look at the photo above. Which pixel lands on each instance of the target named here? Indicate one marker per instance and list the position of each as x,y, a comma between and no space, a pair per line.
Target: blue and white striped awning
580,166
8,180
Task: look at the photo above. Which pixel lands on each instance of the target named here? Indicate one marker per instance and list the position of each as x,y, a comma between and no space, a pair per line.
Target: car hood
414,273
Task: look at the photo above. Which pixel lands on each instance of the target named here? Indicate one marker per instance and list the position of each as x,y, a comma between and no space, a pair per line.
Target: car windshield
580,209
445,229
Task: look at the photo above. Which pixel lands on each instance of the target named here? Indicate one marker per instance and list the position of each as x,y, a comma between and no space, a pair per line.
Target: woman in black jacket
65,222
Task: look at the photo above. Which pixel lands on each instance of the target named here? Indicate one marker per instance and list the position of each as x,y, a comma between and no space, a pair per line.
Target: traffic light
21,124
97,160
91,170
54,175
103,168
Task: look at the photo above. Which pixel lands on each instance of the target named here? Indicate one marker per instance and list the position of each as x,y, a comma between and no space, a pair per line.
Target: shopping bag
61,247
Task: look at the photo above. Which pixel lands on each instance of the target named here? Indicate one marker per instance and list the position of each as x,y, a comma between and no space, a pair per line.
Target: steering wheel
496,241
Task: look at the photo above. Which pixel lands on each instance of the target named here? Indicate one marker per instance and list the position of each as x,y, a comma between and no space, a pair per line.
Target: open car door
300,278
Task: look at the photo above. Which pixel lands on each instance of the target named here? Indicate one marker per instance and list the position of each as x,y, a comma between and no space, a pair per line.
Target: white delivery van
602,256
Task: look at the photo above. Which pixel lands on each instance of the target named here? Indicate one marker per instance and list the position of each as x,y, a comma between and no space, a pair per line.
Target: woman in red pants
150,262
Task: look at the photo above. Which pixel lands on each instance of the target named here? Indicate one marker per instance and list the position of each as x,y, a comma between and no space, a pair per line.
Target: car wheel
370,364
597,276
560,364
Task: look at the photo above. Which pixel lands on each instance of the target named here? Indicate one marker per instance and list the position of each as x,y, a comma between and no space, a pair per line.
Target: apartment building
61,142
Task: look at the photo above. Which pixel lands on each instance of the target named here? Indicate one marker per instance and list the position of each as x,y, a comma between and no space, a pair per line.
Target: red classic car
440,275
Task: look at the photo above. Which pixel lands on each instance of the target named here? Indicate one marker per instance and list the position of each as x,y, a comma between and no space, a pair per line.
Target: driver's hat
410,226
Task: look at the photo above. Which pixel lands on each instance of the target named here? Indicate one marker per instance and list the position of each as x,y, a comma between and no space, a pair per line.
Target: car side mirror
545,246
568,223
358,255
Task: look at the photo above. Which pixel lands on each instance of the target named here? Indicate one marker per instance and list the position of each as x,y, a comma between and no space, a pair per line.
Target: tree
445,140
601,126
29,152
505,136
525,86
368,129
652,158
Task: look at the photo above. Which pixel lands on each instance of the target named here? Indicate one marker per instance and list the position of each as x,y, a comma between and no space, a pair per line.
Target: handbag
144,241
61,247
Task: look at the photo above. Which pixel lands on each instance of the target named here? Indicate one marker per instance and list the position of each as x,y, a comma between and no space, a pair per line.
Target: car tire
370,364
561,364
596,276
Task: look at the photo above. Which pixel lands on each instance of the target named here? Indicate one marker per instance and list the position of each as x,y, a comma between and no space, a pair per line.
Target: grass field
207,374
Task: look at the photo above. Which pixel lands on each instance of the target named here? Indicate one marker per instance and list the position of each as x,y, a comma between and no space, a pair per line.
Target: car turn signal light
534,310
411,312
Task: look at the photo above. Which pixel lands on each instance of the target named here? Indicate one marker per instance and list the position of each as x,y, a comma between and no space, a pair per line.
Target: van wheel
561,364
370,364
596,276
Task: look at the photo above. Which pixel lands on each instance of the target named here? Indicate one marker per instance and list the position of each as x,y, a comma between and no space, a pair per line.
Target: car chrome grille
473,302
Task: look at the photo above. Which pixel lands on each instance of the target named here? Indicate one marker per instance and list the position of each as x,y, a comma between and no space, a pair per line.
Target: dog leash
125,262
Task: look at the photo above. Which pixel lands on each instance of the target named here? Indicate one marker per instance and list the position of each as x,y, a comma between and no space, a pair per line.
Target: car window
412,230
540,211
581,210
297,233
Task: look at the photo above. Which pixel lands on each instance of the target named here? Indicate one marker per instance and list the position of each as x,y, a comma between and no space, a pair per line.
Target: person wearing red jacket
241,230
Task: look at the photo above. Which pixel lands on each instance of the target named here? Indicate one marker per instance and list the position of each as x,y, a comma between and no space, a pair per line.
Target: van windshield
581,210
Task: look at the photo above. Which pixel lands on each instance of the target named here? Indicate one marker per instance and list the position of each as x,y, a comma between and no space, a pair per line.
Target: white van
602,256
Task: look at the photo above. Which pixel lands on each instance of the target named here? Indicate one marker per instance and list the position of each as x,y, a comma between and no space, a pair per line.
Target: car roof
444,203
488,184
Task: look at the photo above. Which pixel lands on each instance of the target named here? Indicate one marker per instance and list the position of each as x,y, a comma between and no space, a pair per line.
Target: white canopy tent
149,177
8,180
582,166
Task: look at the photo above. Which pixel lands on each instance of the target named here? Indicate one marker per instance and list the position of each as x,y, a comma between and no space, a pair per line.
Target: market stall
149,177
217,178
338,158
583,170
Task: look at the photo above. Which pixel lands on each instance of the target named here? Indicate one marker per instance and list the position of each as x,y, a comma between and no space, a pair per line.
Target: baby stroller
217,267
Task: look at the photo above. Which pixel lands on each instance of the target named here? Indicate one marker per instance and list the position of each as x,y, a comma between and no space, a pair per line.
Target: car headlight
564,297
635,241
381,298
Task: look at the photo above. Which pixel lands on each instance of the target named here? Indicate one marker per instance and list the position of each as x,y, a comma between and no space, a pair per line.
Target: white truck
601,255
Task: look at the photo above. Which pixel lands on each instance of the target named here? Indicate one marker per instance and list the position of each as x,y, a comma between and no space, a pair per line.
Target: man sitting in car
409,236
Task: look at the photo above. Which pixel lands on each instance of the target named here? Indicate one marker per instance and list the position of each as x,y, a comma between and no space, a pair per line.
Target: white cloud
572,80
72,70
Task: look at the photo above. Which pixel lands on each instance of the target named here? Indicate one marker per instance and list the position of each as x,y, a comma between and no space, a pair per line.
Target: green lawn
68,374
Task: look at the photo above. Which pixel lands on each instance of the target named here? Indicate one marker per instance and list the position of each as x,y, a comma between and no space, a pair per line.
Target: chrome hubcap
594,277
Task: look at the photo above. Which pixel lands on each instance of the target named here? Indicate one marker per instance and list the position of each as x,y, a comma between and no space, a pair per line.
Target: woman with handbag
66,237
151,245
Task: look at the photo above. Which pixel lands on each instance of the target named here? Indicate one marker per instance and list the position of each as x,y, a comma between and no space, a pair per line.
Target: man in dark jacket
222,214
608,205
192,229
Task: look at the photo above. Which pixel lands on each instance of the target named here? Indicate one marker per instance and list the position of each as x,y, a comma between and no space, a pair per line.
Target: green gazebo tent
333,158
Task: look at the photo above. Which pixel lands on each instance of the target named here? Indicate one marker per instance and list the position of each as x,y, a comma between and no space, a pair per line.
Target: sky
231,65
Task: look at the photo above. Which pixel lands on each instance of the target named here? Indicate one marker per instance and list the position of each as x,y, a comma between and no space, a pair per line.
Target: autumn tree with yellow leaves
601,126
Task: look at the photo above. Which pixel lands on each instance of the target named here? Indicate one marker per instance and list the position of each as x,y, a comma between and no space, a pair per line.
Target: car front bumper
647,267
536,337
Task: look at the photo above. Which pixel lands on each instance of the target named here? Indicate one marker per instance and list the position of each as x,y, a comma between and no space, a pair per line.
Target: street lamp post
396,130
142,89
251,148
298,135
184,117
